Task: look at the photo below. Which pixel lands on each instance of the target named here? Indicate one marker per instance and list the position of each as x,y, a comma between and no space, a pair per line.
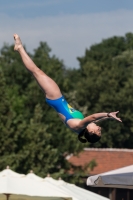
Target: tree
41,141
7,137
105,84
32,136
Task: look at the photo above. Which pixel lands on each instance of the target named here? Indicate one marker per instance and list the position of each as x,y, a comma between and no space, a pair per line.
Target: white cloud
67,35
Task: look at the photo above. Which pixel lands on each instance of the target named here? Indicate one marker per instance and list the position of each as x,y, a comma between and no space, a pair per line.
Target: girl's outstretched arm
98,117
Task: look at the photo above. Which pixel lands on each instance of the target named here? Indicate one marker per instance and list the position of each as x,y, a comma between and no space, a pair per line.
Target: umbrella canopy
75,191
119,178
25,197
45,184
31,186
19,184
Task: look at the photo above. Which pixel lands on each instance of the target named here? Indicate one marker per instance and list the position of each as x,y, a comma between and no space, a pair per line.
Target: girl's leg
48,85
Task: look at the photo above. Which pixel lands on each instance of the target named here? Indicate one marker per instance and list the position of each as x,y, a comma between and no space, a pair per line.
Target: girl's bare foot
18,43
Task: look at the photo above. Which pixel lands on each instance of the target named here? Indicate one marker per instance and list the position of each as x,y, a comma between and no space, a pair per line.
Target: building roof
106,159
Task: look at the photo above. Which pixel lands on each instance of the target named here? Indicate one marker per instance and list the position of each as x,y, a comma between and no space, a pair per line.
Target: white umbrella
75,191
19,184
7,172
45,184
119,178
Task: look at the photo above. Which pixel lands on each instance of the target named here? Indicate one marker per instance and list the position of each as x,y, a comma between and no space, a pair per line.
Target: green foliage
32,136
80,172
7,138
105,86
36,139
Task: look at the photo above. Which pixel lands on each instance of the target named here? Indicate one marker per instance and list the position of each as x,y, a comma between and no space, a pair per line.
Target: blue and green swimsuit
62,107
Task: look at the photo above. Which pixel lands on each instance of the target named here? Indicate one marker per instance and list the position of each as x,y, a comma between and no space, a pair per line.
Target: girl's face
93,128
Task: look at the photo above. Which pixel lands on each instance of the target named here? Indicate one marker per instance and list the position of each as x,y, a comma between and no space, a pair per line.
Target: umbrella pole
7,196
112,194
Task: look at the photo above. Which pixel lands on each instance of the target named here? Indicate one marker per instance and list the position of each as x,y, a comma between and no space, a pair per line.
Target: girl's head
92,134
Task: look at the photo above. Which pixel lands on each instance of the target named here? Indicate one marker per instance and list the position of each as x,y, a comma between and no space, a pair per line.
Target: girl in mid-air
86,127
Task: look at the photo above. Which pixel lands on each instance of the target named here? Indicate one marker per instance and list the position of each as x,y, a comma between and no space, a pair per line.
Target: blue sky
68,26
35,8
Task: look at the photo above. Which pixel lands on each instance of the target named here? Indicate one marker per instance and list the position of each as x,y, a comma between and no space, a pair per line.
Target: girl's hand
113,115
